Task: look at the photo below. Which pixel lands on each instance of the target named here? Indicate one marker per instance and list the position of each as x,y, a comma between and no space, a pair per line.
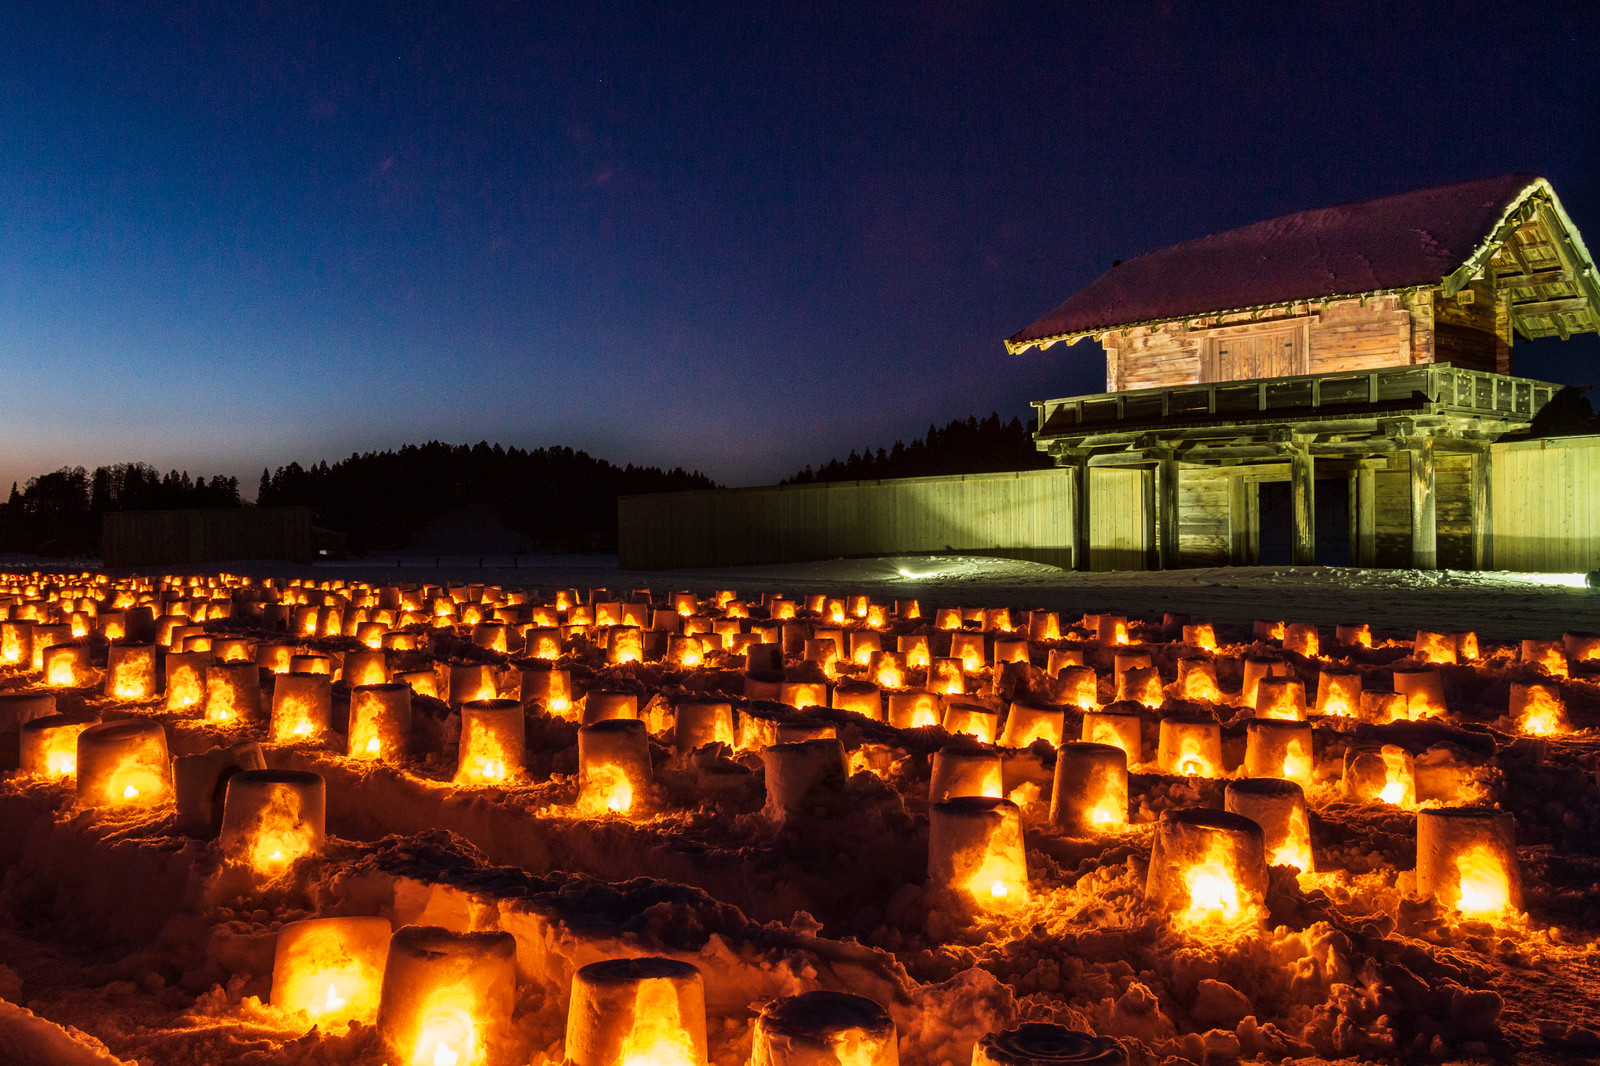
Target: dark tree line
60,513
559,498
965,446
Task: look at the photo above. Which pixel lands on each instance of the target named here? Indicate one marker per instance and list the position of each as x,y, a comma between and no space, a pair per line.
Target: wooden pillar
1365,503
1302,490
1152,524
1077,468
1167,511
1424,507
1483,508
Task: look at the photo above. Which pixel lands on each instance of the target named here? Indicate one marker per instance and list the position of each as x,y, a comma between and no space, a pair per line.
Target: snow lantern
124,764
1111,629
1197,679
975,849
1281,698
1090,794
446,998
330,970
1384,774
552,688
1437,648
131,671
1141,684
233,693
613,766
968,647
1338,692
1190,745
48,743
1550,655
624,644
701,722
862,697
472,681
1257,667
275,658
685,651
66,666
46,637
1011,650
1537,708
380,721
1279,808
1277,748
1302,639
365,667
1027,722
1200,635
1208,868
637,1012
824,1029
493,743
603,705
1423,688
914,649
1382,708
491,635
1077,685
972,719
311,663
863,646
948,676
1353,634
272,818
802,776
302,705
964,769
16,643
542,642
1467,859
1045,1044
914,708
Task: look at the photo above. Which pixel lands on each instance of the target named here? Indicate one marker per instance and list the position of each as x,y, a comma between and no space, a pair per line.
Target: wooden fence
1019,515
1547,505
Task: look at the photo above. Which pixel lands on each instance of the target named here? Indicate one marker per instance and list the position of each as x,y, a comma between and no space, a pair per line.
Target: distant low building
1333,377
212,535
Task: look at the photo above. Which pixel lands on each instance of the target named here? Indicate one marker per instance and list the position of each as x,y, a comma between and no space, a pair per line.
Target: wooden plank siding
1205,505
1024,515
1547,505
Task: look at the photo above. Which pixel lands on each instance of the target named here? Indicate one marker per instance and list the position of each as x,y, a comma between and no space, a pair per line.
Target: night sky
738,239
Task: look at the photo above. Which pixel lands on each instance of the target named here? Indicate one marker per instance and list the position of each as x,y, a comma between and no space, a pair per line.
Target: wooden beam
1077,469
1424,507
1167,511
1581,272
1527,281
1566,305
1483,509
1365,503
1302,489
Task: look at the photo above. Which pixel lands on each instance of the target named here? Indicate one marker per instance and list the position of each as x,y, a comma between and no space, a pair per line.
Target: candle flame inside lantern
1213,892
658,1037
132,784
998,883
1398,788
690,653
1191,763
1542,715
293,720
448,1037
63,673
11,646
971,658
1485,889
487,762
606,790
280,835
1296,847
889,676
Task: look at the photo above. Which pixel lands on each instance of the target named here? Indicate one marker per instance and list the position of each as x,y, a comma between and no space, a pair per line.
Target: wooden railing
1435,388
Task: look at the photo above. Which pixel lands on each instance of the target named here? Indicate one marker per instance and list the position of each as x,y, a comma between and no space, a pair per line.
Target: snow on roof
1395,242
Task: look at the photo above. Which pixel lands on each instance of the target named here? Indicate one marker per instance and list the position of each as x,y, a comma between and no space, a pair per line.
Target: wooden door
1248,356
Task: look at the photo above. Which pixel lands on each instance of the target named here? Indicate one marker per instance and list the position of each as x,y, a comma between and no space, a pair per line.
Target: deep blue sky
739,239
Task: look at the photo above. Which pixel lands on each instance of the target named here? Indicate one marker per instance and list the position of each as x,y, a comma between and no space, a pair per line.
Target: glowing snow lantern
697,723
1338,692
1581,647
625,644
887,669
964,770
971,719
1550,655
687,652
365,667
472,681
272,818
48,743
422,682
1278,748
637,1012
824,1029
947,676
1263,630
1044,625
1027,722
975,849
1281,698
44,638
914,709
1380,775
1208,868
1437,648
1353,634
613,766
1044,1044
543,642
275,658
16,643
947,618
330,970
914,650
1090,794
493,743
380,722
311,663
66,666
551,688
131,671
1141,684
1197,680
863,646
233,649
802,777
1383,707
302,705
1190,745
447,997
1201,636
1537,708
1467,859
1111,629
1302,639
1116,728
603,705
862,697
968,647
803,694
1257,667
1279,808
1059,658
491,635
371,634
1423,689
124,764
1010,650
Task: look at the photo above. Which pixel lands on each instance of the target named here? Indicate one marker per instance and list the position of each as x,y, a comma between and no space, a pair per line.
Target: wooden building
1325,386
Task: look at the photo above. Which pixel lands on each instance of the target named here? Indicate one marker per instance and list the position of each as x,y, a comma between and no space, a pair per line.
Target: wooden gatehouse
1334,376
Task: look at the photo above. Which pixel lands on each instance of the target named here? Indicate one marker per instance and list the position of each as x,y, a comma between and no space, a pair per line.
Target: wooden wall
207,535
1023,515
1547,505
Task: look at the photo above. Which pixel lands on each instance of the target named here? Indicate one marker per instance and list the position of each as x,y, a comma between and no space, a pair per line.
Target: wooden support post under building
1364,502
1483,508
1167,511
1424,507
1302,490
1077,467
